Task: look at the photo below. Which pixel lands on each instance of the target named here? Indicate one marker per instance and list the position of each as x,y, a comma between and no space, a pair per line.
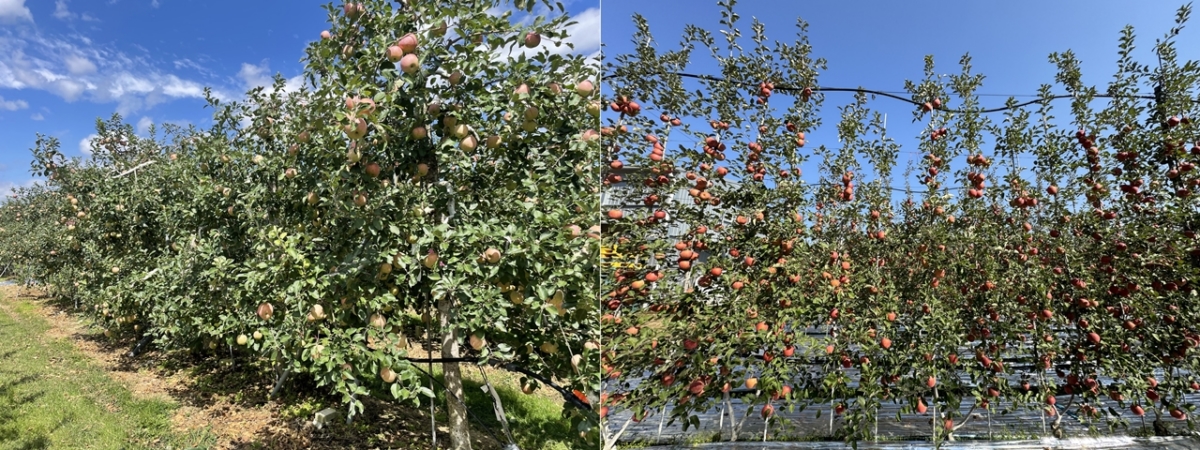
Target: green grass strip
52,396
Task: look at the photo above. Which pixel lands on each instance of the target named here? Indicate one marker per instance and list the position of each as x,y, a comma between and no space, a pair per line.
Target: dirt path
215,398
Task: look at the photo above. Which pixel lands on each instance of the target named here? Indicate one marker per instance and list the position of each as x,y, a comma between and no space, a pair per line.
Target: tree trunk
460,436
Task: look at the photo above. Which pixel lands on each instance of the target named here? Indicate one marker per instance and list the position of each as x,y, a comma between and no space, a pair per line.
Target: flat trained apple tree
1034,261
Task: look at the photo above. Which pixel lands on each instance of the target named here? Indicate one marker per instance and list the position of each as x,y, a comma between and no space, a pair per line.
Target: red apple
532,39
410,64
394,53
408,43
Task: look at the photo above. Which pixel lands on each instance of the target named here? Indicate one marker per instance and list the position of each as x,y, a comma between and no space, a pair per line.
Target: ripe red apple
521,90
492,255
410,64
408,43
532,39
468,144
584,88
477,341
372,170
394,53
265,311
353,10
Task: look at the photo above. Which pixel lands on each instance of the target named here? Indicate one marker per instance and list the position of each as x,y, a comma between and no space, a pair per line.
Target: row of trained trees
433,178
1022,258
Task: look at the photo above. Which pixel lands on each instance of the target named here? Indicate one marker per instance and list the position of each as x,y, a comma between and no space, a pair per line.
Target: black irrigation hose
893,96
137,349
441,360
567,395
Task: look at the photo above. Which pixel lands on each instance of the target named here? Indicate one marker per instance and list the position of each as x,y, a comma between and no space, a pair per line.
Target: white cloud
79,65
73,68
584,35
260,76
60,10
85,145
8,187
13,105
67,89
37,116
154,3
14,10
143,125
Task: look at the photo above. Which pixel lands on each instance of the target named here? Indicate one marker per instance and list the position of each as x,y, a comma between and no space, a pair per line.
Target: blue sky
879,44
66,63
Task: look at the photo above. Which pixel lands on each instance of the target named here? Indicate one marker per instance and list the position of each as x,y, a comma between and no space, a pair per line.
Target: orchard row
419,192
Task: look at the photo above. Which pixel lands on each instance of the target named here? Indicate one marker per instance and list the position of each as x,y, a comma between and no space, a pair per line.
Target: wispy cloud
253,76
74,68
14,11
37,116
143,125
85,144
61,12
8,187
582,38
79,65
13,105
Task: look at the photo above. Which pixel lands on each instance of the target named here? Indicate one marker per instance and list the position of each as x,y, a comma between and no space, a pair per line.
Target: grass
52,396
535,419
55,395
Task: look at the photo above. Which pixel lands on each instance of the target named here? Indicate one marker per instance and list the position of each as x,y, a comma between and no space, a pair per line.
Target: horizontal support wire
815,89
